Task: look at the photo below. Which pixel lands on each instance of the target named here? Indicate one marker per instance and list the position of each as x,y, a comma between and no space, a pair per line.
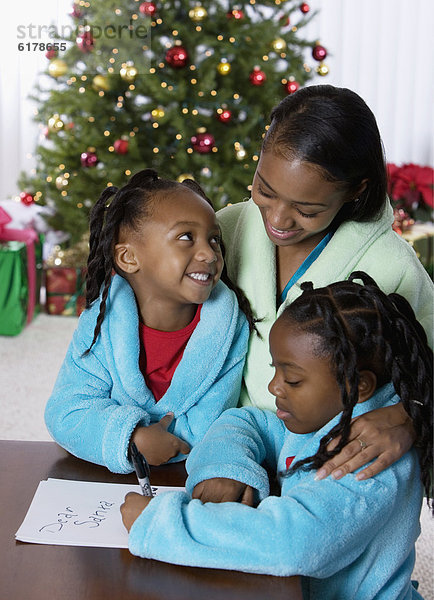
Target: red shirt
161,352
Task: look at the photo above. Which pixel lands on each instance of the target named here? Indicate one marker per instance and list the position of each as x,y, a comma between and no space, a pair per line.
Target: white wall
382,49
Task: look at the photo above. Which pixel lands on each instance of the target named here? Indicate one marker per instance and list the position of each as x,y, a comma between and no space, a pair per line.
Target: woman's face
295,200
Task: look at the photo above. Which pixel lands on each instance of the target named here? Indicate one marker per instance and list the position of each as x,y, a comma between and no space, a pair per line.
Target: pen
142,470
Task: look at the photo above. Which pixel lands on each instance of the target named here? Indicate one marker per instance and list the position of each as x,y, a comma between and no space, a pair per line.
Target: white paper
79,513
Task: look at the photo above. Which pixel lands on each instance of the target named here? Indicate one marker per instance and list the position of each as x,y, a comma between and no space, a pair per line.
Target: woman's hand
158,445
132,507
220,489
385,434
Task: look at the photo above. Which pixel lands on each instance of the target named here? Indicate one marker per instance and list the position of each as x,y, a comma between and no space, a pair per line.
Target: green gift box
20,280
14,287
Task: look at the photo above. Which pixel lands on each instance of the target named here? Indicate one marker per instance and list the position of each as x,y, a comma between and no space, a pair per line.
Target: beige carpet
29,364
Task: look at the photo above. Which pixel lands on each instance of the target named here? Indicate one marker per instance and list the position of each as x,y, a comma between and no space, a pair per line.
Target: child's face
178,249
307,393
295,200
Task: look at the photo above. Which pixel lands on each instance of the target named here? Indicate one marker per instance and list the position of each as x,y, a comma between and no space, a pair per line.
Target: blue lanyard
311,258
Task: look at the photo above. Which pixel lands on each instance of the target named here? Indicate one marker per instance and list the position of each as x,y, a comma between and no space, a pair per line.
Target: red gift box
65,290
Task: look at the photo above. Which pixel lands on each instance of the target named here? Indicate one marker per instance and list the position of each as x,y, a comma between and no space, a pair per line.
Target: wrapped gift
65,279
14,289
421,236
20,276
65,290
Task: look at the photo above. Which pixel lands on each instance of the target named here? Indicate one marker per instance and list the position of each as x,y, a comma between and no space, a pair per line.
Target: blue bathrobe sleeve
100,398
84,415
235,448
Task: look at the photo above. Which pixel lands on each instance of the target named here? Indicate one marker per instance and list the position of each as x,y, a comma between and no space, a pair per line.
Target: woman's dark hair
128,207
335,130
359,327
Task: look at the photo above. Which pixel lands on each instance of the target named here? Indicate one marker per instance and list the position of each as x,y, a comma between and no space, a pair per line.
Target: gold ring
363,444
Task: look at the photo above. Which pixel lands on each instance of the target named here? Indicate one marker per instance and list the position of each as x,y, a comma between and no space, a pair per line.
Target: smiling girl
159,351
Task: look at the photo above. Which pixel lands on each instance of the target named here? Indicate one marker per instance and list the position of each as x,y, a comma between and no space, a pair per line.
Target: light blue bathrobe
99,399
349,539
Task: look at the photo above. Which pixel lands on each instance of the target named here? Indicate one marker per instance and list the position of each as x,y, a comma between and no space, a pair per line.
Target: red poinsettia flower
411,184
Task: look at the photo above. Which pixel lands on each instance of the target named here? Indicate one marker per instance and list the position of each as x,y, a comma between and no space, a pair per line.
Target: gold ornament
322,69
278,45
224,68
75,256
128,72
158,113
198,13
61,182
101,82
240,152
184,176
57,68
55,123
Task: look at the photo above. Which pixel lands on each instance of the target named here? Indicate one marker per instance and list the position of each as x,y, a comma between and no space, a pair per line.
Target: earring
356,199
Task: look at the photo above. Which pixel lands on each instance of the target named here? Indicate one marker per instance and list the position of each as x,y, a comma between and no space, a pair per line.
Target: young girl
159,351
338,352
319,211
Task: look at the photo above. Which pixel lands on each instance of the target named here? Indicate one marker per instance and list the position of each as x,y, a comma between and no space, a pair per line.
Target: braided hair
128,207
362,328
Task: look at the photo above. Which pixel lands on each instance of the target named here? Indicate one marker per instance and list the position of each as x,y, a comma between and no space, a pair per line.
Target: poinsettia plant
411,189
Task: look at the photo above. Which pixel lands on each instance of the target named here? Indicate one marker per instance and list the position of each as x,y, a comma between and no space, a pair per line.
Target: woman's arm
383,435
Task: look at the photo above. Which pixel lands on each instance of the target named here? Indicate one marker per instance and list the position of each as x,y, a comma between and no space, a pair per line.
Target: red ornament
257,77
85,41
121,146
284,20
225,116
51,54
203,142
177,57
292,86
26,198
305,8
236,13
76,12
319,52
88,159
148,9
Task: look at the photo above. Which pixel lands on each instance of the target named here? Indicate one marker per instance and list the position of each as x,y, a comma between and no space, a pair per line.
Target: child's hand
132,507
158,445
220,489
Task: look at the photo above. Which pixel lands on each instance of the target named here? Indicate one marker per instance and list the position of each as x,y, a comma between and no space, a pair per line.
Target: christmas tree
183,87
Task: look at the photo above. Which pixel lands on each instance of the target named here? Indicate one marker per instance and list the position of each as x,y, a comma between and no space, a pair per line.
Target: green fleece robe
372,247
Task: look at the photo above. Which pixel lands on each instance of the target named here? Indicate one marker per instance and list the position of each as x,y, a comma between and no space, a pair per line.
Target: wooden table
42,572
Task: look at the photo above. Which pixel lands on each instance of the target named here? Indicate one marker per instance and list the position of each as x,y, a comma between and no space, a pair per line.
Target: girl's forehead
181,202
288,339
